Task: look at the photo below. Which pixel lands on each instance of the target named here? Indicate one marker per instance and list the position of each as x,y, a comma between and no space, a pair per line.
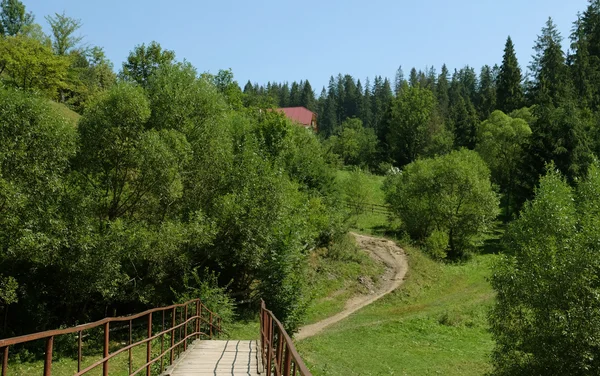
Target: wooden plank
216,358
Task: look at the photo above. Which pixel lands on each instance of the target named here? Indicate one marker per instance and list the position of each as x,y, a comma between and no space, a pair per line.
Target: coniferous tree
486,94
509,90
550,82
399,81
413,79
441,91
307,97
366,113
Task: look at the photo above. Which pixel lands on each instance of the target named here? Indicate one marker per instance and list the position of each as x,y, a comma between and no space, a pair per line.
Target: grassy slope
70,115
435,324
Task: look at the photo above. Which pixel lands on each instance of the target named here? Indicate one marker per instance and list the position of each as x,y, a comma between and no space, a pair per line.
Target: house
302,116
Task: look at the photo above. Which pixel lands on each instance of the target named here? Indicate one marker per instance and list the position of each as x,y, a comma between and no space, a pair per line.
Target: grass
435,324
67,113
336,274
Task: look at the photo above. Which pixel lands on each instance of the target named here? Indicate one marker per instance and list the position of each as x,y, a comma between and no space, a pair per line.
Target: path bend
396,263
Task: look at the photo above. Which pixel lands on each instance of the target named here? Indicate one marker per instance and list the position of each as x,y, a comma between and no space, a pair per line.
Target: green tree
550,83
414,130
509,89
546,317
63,32
28,64
500,142
13,18
448,197
355,144
486,94
143,61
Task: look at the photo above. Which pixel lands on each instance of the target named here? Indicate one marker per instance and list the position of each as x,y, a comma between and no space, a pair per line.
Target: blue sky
286,41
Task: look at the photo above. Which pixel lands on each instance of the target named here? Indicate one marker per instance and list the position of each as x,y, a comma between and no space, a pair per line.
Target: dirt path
396,266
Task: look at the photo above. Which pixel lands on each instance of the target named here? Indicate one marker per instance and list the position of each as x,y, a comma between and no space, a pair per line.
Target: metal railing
192,315
279,355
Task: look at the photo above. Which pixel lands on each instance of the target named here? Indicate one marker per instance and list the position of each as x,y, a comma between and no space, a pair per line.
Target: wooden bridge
179,340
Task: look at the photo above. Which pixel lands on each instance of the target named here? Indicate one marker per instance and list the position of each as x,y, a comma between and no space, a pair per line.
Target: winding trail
396,266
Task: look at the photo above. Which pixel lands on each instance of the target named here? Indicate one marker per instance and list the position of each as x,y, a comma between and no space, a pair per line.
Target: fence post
199,316
4,361
149,347
185,329
130,342
173,335
287,362
48,358
79,351
106,345
162,342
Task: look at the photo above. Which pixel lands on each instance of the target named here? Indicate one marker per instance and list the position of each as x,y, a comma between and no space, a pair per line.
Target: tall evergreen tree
486,93
441,91
307,97
399,81
550,82
509,89
413,79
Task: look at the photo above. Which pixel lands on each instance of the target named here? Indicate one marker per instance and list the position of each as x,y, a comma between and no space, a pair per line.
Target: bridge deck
218,358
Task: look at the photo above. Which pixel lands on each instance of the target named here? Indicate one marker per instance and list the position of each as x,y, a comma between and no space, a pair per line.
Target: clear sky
314,39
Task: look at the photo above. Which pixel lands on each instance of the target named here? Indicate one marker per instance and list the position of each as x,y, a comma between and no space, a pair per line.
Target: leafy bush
546,320
450,195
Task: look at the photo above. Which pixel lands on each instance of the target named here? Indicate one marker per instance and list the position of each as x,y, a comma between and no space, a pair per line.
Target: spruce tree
509,89
486,94
307,96
441,91
550,82
398,81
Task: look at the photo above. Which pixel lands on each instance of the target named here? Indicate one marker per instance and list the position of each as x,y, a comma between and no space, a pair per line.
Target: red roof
301,115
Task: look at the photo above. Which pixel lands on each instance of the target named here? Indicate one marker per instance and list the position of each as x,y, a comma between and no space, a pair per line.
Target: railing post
210,324
287,361
185,329
4,361
149,347
173,334
199,315
79,351
48,358
130,342
106,345
162,342
279,354
269,343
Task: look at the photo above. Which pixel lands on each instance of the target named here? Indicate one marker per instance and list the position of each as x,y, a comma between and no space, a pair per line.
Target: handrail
199,318
279,355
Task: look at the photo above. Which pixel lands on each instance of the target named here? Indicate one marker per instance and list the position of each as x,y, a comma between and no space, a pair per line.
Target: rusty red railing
279,355
192,315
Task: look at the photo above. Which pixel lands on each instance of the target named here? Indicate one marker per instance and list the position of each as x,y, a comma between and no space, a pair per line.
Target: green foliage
509,90
13,18
545,320
354,144
143,61
501,141
63,29
413,129
205,285
451,194
28,64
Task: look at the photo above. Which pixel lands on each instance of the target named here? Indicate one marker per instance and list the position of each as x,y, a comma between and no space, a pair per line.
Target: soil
396,264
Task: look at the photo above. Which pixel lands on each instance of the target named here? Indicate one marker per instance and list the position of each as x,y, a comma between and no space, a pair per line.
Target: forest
141,187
